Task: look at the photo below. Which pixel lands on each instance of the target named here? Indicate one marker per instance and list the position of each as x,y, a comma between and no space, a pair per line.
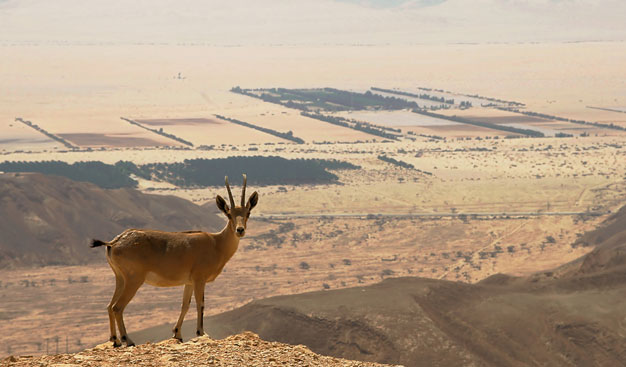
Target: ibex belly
159,280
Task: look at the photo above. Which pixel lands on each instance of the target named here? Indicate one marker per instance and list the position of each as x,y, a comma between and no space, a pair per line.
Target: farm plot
16,136
311,130
396,119
506,118
210,131
414,123
101,130
591,114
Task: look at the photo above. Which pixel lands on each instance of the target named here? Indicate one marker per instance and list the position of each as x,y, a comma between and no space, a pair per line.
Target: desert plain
477,202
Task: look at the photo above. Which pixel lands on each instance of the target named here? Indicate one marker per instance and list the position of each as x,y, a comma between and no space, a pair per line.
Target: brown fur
167,259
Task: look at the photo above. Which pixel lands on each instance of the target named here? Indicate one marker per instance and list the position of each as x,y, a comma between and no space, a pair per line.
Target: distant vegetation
46,133
287,136
160,132
477,96
260,171
420,96
395,162
327,99
192,172
402,164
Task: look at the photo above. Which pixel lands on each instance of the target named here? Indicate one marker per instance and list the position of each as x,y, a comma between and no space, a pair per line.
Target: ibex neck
228,241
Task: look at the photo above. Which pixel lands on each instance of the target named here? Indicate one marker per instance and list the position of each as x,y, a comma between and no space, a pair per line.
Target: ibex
167,259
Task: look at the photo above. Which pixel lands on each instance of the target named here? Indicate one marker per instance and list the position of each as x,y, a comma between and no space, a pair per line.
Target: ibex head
237,215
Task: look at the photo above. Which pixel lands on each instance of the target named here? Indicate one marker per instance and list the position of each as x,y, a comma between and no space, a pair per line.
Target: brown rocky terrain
572,316
245,349
278,257
48,220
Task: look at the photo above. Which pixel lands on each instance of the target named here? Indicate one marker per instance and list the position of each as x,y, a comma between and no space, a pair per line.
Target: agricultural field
210,131
416,124
16,136
549,127
308,129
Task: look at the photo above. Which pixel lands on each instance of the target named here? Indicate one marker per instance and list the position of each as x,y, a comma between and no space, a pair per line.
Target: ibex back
167,259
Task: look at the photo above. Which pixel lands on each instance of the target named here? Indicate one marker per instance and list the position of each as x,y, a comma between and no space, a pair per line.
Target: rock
245,349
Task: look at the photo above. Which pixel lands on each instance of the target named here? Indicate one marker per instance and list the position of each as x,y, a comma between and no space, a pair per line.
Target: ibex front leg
186,301
199,294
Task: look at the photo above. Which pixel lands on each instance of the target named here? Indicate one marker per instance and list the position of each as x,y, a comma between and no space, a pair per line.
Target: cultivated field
311,130
16,136
210,131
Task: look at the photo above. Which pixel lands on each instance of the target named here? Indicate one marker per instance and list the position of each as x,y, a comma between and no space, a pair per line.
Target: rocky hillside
48,220
571,316
238,350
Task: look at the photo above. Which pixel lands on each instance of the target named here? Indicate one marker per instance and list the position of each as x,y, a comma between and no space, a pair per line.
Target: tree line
192,172
425,96
477,96
329,99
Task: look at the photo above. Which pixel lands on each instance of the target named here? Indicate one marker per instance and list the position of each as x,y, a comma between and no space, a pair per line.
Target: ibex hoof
179,339
116,342
129,343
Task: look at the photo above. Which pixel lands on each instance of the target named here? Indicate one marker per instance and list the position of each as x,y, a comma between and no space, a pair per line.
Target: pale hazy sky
310,22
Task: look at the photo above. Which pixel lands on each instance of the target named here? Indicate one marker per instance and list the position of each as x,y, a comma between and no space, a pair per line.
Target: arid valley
450,162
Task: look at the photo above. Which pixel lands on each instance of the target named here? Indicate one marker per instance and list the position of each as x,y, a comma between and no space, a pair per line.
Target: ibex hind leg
119,286
130,288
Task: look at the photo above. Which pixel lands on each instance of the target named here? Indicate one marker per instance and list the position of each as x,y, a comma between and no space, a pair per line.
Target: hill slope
49,220
572,316
238,350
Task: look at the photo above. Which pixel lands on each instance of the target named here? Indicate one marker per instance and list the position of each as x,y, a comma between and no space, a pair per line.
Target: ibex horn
243,191
230,194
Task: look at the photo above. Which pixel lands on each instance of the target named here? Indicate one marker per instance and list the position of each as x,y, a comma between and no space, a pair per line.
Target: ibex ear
253,200
221,204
